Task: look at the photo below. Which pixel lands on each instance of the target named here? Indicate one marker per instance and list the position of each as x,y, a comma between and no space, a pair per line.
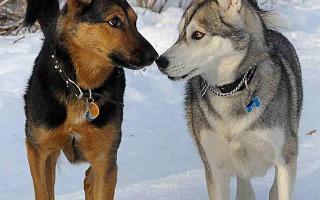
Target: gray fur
277,83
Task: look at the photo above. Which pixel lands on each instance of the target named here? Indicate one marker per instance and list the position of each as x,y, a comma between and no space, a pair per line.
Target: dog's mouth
120,61
184,77
177,78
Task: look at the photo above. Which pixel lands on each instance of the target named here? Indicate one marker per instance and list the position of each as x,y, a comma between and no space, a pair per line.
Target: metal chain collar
206,86
66,78
76,90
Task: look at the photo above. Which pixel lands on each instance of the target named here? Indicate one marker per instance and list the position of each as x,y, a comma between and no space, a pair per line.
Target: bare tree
154,5
11,16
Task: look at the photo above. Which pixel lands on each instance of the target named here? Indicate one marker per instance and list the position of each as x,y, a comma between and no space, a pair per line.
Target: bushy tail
43,11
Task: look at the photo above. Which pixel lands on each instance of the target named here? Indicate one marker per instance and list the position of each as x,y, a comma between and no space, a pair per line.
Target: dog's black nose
162,62
145,57
150,56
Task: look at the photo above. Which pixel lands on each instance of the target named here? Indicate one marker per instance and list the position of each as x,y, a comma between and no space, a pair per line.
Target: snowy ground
157,158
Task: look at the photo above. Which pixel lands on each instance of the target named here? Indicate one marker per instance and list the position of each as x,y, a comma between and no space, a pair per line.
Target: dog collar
92,110
230,88
75,89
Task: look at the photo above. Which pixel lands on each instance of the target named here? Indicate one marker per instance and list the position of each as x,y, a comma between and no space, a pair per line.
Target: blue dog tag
254,103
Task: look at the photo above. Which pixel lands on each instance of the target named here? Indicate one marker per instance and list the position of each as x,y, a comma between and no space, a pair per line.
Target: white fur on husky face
213,57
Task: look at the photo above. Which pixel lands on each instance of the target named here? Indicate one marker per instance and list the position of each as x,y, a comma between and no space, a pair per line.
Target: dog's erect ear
85,1
230,12
77,4
234,5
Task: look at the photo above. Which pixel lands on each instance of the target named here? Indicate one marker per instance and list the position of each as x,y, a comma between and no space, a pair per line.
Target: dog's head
213,39
101,34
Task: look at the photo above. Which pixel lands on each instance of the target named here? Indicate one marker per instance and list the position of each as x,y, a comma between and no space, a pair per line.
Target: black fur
43,107
95,11
45,87
46,12
43,11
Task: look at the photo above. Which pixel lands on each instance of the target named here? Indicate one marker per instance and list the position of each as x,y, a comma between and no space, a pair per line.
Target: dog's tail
43,11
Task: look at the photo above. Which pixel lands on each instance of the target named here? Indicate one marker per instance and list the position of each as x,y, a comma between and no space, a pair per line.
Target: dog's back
282,48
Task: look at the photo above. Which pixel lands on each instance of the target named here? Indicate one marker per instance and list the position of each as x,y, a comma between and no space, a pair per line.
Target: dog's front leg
244,190
286,174
37,160
218,183
51,173
218,180
88,184
104,187
273,194
104,182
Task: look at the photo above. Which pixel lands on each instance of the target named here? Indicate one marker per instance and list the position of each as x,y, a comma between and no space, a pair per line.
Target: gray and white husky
243,95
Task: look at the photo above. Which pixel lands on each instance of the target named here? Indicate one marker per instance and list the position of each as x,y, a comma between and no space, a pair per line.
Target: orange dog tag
93,111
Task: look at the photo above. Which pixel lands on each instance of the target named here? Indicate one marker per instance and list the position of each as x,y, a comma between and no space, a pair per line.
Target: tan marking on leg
104,182
37,161
99,148
88,184
51,173
98,145
43,153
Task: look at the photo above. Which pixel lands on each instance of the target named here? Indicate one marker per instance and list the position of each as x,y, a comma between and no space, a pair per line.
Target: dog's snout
146,56
145,51
162,62
150,56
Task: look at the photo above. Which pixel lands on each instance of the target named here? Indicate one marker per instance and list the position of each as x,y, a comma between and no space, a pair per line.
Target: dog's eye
197,35
115,22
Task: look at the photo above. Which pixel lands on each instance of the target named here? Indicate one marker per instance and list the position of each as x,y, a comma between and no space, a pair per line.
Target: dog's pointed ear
85,1
230,12
77,4
234,5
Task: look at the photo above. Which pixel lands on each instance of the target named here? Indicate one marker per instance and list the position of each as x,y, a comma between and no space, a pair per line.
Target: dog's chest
76,113
246,155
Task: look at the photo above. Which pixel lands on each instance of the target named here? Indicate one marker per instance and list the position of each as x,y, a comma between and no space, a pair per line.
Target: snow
157,157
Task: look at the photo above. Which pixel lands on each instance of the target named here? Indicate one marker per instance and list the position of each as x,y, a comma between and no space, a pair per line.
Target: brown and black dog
74,97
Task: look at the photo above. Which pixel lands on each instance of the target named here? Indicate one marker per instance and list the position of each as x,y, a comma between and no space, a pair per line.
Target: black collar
230,88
